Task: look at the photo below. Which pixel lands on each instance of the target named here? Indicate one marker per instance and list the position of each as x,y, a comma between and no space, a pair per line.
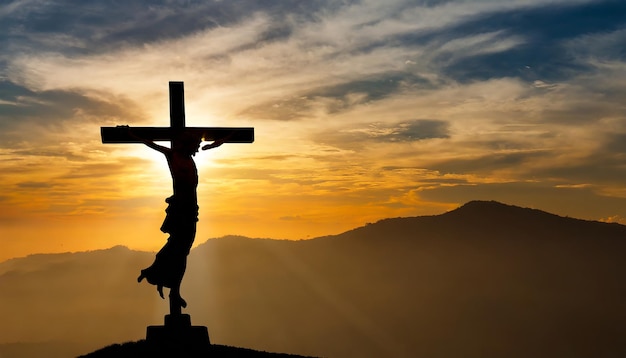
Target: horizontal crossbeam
120,134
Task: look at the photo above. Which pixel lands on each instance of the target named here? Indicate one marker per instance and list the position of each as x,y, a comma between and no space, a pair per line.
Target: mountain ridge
471,212
472,217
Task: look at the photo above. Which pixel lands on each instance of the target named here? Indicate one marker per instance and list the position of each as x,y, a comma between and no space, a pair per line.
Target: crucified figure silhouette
182,215
182,212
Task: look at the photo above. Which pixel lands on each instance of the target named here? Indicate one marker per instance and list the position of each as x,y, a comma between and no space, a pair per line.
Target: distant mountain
55,304
484,280
488,219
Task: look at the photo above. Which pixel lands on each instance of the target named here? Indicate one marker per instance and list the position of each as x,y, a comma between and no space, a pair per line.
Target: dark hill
142,349
484,280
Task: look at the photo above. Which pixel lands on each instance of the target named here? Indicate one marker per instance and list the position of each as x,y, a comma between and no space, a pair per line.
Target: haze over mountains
485,280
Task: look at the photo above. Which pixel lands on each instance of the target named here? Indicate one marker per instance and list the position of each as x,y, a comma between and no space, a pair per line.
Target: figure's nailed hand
209,146
218,142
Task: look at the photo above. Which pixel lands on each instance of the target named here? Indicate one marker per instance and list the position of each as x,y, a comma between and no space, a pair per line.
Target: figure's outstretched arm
149,143
217,143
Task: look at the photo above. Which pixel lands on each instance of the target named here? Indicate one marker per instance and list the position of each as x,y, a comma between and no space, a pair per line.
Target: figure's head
186,144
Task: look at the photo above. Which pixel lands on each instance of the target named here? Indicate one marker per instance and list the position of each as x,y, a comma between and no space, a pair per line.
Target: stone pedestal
178,337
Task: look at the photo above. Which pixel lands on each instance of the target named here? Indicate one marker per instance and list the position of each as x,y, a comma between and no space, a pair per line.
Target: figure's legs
176,301
170,265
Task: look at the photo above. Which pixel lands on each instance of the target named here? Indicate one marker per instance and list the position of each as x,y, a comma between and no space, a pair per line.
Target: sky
362,110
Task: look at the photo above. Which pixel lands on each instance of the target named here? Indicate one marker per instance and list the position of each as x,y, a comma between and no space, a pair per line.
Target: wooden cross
120,134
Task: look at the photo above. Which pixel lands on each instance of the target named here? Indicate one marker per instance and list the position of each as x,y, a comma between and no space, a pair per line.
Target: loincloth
181,214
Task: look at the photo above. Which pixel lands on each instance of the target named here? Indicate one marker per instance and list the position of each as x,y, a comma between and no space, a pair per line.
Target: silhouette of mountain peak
482,204
484,220
496,211
488,206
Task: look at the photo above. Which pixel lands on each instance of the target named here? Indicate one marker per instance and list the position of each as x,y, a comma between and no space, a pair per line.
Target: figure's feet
177,300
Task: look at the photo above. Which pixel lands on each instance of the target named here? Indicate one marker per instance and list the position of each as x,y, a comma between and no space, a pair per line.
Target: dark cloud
284,109
276,32
339,97
544,29
600,167
19,103
616,143
487,163
57,153
402,132
600,164
99,26
291,218
420,170
543,52
24,112
9,91
585,111
374,87
418,129
34,185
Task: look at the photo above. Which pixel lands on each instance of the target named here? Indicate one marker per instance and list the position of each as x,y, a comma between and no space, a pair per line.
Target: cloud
35,185
336,98
291,218
487,164
317,32
383,132
27,115
360,107
101,26
546,47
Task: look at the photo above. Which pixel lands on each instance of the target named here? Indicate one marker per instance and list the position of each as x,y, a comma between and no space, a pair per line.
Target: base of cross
178,337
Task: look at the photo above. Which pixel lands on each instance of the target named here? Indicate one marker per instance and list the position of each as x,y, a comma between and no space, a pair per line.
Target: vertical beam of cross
177,105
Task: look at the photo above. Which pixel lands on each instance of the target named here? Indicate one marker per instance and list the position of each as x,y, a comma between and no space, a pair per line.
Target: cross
120,134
